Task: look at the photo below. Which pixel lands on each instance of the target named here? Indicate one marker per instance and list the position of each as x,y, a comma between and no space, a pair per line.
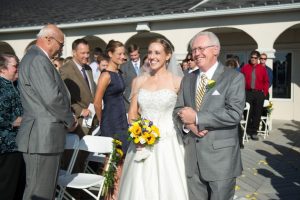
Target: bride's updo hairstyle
167,46
111,47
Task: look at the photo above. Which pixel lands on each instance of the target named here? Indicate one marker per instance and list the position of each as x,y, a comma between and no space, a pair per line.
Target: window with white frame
282,70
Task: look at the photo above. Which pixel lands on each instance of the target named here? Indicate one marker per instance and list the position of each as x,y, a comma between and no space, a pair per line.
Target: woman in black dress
109,96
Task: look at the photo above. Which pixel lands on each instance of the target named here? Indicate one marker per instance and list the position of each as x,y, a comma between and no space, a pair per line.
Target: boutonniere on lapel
210,84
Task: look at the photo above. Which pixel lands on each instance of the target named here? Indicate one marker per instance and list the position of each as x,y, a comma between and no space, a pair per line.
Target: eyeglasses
201,49
263,58
190,59
61,44
253,57
14,65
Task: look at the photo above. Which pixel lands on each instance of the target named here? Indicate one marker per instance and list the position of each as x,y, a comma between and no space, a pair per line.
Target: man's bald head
50,39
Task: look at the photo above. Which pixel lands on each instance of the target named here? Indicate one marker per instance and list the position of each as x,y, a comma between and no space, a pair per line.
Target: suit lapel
131,68
90,75
79,75
193,82
57,77
217,74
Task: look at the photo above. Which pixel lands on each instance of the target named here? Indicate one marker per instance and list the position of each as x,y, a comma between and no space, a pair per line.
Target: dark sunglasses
187,60
253,57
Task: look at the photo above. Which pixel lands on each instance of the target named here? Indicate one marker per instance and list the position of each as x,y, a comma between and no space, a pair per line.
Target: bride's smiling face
157,56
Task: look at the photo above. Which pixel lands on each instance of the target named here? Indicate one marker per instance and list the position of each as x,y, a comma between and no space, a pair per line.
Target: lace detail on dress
158,107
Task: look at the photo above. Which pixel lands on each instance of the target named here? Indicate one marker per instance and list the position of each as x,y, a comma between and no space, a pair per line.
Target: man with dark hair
131,69
262,60
78,77
257,86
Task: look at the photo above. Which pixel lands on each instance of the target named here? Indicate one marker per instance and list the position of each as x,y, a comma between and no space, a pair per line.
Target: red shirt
261,81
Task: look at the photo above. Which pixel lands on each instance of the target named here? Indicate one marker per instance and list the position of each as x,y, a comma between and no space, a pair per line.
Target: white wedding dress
161,176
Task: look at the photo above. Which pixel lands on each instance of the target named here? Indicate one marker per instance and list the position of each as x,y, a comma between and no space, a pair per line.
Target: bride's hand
139,146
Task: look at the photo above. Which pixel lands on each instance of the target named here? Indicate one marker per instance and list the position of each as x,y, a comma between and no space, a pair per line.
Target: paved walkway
272,166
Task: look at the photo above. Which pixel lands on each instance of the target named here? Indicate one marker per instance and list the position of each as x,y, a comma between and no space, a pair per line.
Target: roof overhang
166,17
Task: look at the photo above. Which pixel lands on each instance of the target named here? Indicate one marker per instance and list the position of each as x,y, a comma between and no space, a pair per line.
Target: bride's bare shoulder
176,80
139,80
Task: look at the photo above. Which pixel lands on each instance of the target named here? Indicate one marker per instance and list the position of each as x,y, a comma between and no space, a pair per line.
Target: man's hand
202,133
187,115
85,112
17,122
194,129
74,126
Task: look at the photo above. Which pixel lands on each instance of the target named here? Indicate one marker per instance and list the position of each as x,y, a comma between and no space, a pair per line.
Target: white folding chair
244,122
71,143
94,157
264,123
85,181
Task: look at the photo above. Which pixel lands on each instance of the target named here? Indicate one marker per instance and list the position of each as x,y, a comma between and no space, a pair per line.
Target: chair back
266,103
247,109
244,122
96,144
72,141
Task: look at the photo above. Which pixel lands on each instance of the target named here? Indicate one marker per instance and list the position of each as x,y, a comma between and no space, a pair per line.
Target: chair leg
264,128
245,136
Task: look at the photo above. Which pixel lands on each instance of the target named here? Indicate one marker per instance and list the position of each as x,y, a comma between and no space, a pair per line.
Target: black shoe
254,137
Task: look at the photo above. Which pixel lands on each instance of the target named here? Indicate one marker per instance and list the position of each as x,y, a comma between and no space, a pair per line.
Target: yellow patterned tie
200,91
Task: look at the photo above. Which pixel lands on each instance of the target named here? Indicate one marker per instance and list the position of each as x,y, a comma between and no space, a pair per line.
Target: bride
160,175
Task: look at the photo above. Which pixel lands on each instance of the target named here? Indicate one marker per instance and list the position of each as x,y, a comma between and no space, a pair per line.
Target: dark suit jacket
81,94
128,73
217,154
46,103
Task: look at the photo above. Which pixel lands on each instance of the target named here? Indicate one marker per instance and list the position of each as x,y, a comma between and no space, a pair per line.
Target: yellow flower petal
120,152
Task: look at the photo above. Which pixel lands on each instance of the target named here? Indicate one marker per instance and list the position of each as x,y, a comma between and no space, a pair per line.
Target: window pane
282,66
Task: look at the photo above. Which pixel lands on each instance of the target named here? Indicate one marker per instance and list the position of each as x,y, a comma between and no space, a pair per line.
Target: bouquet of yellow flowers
142,131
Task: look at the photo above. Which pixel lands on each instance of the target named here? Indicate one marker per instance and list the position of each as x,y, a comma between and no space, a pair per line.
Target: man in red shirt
257,85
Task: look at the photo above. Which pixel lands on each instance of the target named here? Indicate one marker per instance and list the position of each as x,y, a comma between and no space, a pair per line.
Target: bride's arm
177,82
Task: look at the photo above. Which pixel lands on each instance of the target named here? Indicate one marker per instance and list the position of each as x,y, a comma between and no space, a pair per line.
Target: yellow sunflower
135,129
155,130
146,128
136,140
151,139
117,142
120,152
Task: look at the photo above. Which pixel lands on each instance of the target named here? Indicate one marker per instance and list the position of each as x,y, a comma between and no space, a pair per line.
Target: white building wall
251,31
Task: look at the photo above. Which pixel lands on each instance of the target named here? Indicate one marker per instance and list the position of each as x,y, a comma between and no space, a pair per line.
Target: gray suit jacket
128,75
81,94
46,103
217,153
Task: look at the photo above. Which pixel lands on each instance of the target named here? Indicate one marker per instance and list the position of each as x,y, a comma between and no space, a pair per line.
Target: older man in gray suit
47,114
209,108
